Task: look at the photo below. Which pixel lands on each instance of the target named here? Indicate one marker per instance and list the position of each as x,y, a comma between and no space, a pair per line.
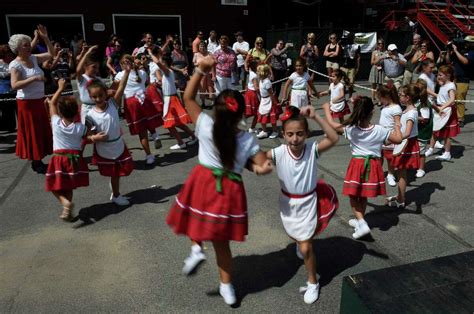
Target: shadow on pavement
177,157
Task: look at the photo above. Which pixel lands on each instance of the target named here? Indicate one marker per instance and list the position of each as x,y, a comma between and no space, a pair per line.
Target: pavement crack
15,182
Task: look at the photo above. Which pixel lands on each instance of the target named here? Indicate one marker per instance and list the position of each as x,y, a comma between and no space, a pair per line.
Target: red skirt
65,173
451,129
141,117
387,154
327,204
34,136
355,183
271,117
251,103
176,114
342,113
410,157
203,214
155,97
120,167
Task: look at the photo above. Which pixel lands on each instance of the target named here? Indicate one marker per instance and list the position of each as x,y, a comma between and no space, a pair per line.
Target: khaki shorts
397,81
351,73
332,65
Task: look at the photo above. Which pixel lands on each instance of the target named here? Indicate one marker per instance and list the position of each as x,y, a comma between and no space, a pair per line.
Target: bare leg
447,144
402,185
422,162
306,249
254,122
187,130
357,206
224,260
144,141
390,168
115,184
176,135
62,197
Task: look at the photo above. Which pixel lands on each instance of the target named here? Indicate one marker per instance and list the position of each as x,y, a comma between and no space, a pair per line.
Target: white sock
196,248
361,221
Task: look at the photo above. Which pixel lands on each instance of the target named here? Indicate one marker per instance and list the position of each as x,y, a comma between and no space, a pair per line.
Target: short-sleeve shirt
242,46
387,115
410,115
443,93
299,81
133,87
368,141
349,55
67,136
83,92
225,62
252,76
393,68
34,90
429,83
247,145
463,71
259,55
168,85
264,87
153,68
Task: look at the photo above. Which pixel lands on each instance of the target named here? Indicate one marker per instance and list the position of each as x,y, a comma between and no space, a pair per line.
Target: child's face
384,100
333,78
98,95
299,68
442,78
428,69
92,69
295,134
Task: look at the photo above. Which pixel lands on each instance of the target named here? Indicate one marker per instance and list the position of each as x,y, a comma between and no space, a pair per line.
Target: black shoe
461,124
39,167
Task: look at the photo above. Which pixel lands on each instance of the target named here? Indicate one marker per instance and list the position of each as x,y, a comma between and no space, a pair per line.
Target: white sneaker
361,230
191,141
120,200
445,156
226,290
262,134
298,252
192,261
438,145
177,146
420,173
391,180
252,130
311,292
273,135
150,159
353,223
429,152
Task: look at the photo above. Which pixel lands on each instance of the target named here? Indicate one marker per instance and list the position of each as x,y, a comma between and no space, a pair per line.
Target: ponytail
362,111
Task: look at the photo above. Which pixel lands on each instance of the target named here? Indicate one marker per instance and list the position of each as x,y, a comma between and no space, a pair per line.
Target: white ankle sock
196,248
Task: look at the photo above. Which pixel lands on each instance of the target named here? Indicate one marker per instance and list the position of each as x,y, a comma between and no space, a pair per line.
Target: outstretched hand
308,111
265,168
41,31
206,64
61,84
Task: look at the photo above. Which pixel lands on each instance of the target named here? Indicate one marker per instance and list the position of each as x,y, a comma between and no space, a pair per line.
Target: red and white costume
364,177
111,156
387,120
251,96
306,204
67,169
451,129
338,109
409,158
212,204
299,93
174,113
153,91
268,108
139,111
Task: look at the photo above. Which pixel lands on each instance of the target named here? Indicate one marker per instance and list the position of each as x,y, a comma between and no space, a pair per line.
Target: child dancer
174,115
306,205
110,153
445,98
338,103
251,96
154,93
139,111
409,158
66,170
212,204
268,107
425,124
364,177
86,71
300,82
389,116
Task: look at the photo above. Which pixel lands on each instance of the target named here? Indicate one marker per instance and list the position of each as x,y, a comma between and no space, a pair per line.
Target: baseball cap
392,47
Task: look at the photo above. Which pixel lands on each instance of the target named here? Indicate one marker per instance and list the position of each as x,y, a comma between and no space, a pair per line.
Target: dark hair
253,65
412,91
362,111
423,92
295,116
129,58
342,76
67,107
302,61
388,91
94,83
225,126
167,60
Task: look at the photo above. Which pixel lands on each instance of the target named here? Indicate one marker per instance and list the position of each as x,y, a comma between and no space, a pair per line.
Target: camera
459,42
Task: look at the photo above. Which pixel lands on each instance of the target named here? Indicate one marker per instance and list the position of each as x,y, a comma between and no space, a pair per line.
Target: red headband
231,104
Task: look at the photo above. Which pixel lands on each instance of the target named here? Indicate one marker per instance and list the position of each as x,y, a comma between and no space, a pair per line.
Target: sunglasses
380,44
330,38
424,46
259,43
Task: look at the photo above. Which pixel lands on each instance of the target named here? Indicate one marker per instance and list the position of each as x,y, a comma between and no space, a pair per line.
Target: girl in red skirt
338,104
67,170
140,113
409,158
268,107
174,114
251,96
445,98
364,177
212,204
110,153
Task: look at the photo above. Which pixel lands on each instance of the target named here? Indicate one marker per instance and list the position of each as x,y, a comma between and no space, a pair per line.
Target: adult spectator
147,41
258,53
376,75
241,48
76,44
279,64
205,85
6,56
350,60
180,64
34,137
113,60
332,52
310,53
393,64
212,43
420,56
408,55
225,63
197,41
7,108
110,45
61,65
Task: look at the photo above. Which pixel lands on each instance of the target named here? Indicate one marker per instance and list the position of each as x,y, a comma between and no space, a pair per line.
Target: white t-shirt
430,84
212,46
387,115
264,87
443,93
413,116
252,76
34,90
109,123
366,142
335,94
83,92
153,68
67,136
168,83
299,81
247,145
133,87
242,46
